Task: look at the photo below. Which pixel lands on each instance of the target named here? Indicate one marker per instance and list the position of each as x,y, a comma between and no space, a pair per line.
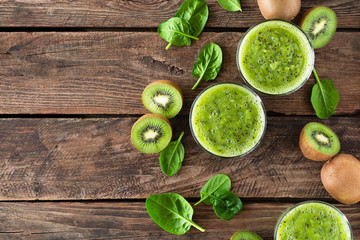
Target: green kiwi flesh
163,97
319,24
245,235
151,133
322,138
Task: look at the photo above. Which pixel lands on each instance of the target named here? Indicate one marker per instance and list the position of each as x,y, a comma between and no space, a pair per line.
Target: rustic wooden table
72,73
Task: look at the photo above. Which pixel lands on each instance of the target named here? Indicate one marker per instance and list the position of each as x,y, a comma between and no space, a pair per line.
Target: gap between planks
132,29
247,200
96,116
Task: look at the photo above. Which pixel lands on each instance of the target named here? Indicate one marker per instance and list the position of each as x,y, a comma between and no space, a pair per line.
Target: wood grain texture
105,72
130,220
68,159
140,14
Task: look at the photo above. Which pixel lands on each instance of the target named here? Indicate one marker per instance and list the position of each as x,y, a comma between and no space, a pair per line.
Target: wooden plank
105,72
100,13
129,220
67,159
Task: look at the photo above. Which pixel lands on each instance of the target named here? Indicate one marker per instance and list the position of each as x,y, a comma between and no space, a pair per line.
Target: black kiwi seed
319,24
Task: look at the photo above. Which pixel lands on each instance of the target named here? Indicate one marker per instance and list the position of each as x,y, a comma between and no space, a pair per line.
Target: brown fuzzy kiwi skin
168,82
279,9
309,151
304,16
341,178
148,116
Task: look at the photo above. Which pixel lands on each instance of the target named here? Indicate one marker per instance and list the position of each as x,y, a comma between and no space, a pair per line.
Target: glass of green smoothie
275,57
227,120
313,220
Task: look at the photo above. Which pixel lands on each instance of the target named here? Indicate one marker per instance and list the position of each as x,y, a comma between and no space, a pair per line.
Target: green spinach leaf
208,64
172,157
176,31
324,97
171,212
230,5
226,204
217,182
196,12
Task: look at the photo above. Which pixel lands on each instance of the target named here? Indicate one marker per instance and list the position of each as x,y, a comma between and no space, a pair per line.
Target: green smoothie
315,221
275,57
227,120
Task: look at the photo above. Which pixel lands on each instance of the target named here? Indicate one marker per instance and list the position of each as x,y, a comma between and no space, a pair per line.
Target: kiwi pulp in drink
151,133
163,97
318,142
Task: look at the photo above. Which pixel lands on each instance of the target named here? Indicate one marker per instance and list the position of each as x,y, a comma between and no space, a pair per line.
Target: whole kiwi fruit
279,9
341,178
318,142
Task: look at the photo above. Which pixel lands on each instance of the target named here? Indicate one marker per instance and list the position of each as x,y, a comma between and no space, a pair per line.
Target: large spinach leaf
217,182
230,5
171,212
324,97
208,64
196,12
172,157
177,31
226,204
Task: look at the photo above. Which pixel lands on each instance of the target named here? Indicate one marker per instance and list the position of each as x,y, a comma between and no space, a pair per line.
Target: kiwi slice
245,235
151,133
319,23
318,142
163,97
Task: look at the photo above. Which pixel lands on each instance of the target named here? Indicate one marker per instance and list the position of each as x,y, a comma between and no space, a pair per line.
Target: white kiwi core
319,26
150,134
162,100
322,138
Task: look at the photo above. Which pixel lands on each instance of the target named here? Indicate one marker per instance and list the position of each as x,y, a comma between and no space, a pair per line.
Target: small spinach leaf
217,182
196,12
171,212
172,157
226,204
230,5
208,64
176,31
324,97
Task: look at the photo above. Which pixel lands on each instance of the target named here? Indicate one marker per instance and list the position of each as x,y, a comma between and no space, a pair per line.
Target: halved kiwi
245,235
151,133
163,97
319,23
318,142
